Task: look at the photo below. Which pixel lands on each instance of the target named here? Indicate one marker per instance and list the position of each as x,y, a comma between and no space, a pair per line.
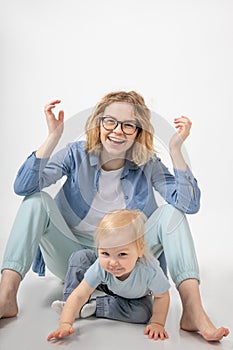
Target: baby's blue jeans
109,305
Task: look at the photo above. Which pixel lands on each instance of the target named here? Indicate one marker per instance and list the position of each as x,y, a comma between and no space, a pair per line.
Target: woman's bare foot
194,318
8,291
203,326
8,306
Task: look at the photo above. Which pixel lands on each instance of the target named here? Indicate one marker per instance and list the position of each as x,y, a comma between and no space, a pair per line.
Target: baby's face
120,260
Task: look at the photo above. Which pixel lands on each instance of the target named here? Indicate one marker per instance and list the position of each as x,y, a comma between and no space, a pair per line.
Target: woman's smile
115,140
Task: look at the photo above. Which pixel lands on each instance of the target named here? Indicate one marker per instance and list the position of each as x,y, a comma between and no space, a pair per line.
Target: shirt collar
94,161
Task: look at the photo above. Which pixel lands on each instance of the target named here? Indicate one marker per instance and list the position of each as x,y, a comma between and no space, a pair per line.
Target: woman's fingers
183,126
52,104
55,124
183,122
49,106
61,116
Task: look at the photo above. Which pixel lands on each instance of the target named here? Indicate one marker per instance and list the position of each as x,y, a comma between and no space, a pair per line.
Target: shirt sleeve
38,173
95,275
179,189
158,283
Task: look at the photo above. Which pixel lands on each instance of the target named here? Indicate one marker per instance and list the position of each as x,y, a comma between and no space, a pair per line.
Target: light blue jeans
39,222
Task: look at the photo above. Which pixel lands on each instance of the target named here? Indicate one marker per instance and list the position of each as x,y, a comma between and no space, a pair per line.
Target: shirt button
126,197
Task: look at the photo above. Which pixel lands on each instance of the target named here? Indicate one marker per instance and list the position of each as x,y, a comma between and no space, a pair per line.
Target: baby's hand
156,331
63,330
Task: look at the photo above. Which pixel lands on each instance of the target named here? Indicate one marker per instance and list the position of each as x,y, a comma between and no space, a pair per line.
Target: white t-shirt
109,197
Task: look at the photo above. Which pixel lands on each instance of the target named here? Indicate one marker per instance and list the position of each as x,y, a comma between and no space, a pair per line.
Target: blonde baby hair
115,223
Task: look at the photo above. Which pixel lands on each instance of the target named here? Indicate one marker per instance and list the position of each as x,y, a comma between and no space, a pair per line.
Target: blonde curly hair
143,147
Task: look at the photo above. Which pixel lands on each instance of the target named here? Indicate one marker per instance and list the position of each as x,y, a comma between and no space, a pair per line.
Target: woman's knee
38,199
169,209
170,217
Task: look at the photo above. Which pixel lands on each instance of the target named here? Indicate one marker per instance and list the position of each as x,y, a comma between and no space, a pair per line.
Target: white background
177,53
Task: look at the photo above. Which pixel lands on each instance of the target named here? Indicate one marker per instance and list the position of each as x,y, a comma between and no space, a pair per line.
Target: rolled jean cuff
102,307
185,276
15,266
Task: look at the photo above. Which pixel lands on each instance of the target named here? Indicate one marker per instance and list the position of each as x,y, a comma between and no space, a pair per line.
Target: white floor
36,319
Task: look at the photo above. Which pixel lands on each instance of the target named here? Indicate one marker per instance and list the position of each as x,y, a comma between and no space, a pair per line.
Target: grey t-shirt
146,277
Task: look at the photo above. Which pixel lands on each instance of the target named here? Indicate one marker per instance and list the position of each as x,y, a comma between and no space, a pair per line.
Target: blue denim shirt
82,170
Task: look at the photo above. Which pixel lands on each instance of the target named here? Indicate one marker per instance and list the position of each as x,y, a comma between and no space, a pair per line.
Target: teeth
116,140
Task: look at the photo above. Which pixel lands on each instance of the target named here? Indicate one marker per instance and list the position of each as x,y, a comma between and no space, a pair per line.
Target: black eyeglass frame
137,126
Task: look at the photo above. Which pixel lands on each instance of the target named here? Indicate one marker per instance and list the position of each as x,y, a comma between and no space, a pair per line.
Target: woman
118,149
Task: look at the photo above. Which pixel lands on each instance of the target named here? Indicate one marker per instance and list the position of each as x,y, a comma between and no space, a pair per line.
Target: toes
216,335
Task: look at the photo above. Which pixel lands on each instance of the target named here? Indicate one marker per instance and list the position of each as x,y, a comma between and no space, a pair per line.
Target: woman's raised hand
183,126
55,125
55,129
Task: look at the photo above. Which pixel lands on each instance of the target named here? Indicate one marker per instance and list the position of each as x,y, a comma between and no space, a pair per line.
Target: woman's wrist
46,149
178,159
175,151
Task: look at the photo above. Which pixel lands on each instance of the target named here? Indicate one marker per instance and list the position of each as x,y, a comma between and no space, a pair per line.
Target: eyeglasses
110,123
